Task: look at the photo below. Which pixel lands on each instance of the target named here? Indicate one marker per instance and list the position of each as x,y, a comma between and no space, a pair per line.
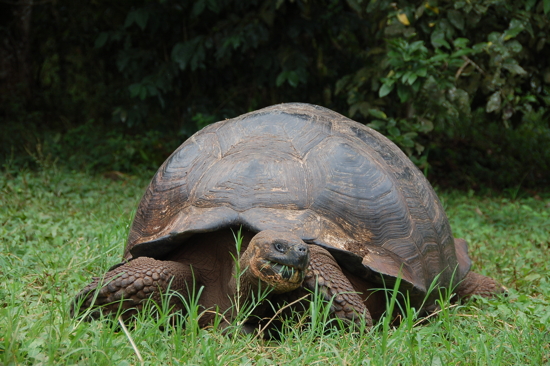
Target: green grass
58,229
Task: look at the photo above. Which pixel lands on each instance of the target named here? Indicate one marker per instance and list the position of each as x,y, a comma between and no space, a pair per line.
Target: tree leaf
142,92
293,78
385,89
417,46
439,57
514,68
422,72
341,84
419,11
101,39
546,4
438,39
456,19
479,47
281,78
376,113
198,8
141,18
152,90
407,142
462,52
419,148
129,19
377,124
412,78
514,46
402,17
178,55
138,16
411,135
403,92
461,42
198,56
134,89
515,28
394,131
425,125
435,9
494,102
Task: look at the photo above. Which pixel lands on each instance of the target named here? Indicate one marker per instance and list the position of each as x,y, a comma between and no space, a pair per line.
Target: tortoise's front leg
325,272
133,282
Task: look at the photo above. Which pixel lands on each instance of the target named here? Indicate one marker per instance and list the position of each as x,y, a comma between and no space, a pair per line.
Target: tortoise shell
313,172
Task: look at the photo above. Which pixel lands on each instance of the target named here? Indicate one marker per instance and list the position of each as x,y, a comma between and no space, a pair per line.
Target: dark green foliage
470,84
463,88
223,58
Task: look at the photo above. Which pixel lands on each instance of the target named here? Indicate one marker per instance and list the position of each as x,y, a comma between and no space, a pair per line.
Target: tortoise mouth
278,274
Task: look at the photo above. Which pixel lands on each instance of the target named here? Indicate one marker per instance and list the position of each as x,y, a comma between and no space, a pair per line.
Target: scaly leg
134,282
325,272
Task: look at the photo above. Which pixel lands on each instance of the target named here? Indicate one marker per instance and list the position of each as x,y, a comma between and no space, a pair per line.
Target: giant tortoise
323,202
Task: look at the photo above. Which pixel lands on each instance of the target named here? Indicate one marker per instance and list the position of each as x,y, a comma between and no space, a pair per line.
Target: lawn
60,228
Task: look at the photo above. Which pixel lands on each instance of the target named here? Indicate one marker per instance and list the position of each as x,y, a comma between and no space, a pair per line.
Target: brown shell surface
311,171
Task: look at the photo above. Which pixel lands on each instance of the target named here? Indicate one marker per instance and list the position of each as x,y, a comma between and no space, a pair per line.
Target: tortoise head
278,259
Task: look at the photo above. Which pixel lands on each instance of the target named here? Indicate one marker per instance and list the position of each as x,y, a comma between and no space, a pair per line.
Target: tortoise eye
280,247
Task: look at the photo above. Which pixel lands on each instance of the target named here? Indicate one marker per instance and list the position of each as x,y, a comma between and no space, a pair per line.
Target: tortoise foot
127,286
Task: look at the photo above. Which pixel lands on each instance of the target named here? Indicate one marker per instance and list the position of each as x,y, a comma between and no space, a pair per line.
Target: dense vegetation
61,228
463,87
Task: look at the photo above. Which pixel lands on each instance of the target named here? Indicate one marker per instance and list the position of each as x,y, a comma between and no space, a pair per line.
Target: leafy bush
469,82
223,58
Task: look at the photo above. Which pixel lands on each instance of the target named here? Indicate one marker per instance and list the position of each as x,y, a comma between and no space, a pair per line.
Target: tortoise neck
244,287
